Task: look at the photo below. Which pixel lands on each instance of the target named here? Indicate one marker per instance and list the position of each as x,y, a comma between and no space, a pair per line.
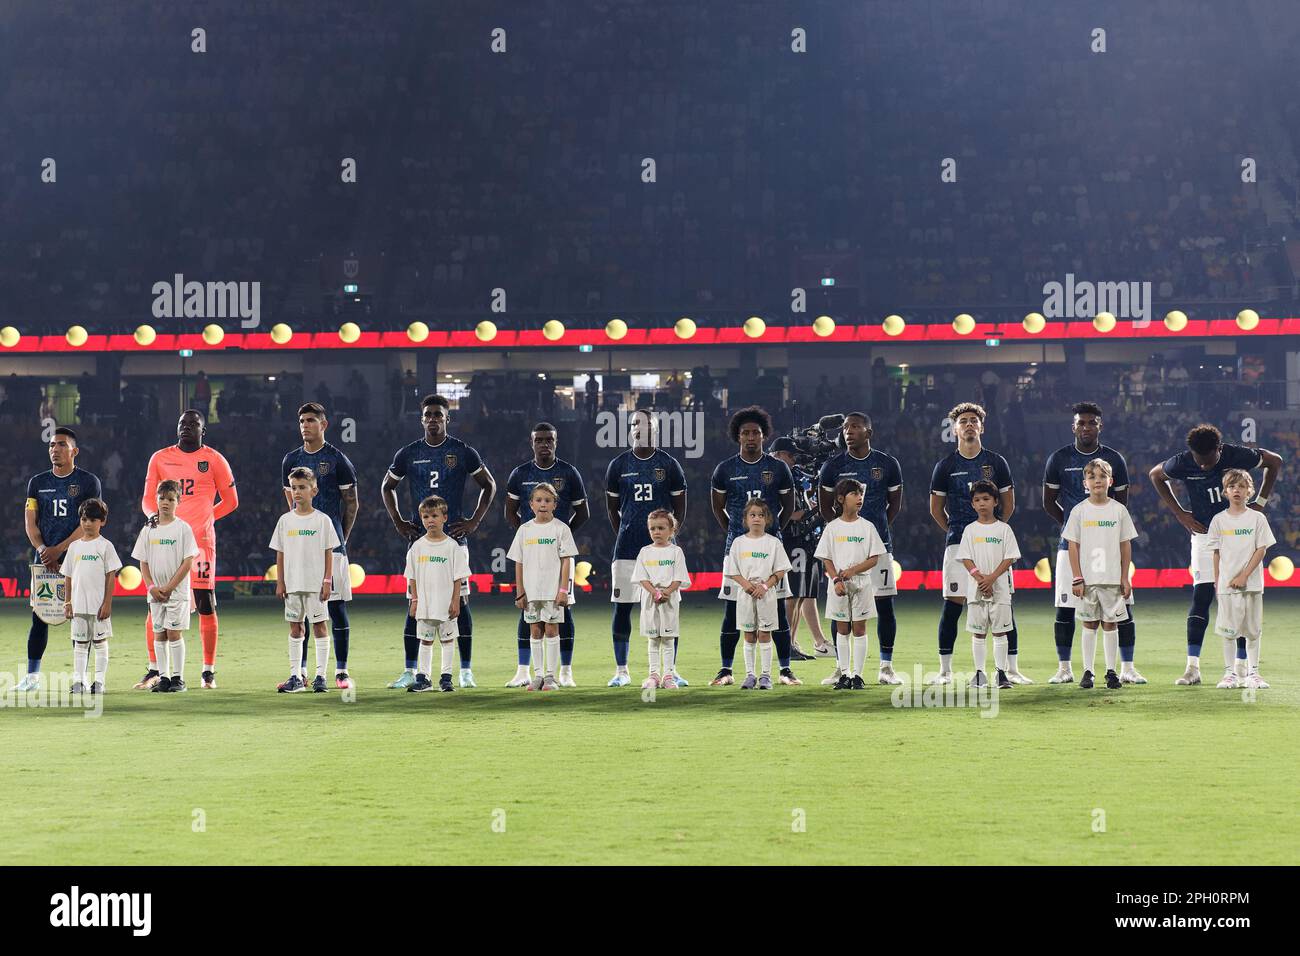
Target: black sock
522,642
465,624
1127,638
948,626
886,627
38,638
1198,618
341,628
566,638
411,643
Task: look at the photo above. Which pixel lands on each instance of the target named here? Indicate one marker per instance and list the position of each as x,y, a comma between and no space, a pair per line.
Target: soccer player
436,569
50,515
1063,488
89,570
800,538
759,562
571,508
849,549
336,496
207,495
661,572
542,551
439,464
950,507
987,550
1239,539
165,553
882,482
641,480
1102,529
1201,469
752,473
304,543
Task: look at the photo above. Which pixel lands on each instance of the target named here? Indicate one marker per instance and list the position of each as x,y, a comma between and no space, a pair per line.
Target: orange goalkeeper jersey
204,476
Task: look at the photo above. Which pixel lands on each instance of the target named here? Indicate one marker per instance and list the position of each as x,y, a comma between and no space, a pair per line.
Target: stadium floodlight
1281,568
349,332
823,326
213,334
76,336
1103,322
145,335
616,329
1043,570
356,575
129,577
281,333
553,330
755,327
963,324
417,331
1034,323
9,336
1175,320
893,325
485,331
1247,319
684,327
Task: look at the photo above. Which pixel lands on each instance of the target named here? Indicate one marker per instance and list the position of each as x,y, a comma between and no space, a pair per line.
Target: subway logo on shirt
162,541
753,554
1095,523
300,533
540,540
430,559
663,563
987,540
1239,531
849,538
90,557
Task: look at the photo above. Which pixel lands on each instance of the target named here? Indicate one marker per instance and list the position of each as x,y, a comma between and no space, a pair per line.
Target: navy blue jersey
334,473
952,480
768,478
641,485
1064,472
568,485
1205,488
56,501
440,470
879,474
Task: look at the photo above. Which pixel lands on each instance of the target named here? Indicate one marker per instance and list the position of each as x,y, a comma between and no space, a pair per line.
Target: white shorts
730,590
1240,614
882,577
1102,602
341,580
955,575
1063,583
430,631
985,617
755,614
859,604
305,604
84,625
1202,560
623,590
661,620
543,612
172,616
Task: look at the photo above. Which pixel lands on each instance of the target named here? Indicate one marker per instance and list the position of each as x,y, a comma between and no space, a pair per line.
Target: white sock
1002,660
1110,645
843,645
979,651
1012,666
80,655
322,655
552,653
539,662
160,649
652,651
425,658
945,663
1089,648
765,655
101,661
448,656
295,655
1194,661
859,658
749,658
669,647
1230,655
177,650
1252,654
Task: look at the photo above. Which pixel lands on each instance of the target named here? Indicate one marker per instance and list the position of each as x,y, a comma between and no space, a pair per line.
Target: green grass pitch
1147,775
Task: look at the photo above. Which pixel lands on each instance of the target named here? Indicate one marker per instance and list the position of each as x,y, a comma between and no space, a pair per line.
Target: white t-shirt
1099,530
758,558
164,549
848,543
305,539
661,566
1236,538
86,562
988,545
540,548
435,567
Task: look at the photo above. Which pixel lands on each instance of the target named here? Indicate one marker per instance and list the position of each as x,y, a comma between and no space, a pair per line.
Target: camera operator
800,537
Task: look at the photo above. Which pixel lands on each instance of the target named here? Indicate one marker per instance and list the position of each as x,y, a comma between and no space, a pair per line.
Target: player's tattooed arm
1160,481
388,492
350,507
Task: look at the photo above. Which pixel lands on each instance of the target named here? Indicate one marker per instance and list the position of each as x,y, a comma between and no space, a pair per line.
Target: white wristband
1261,500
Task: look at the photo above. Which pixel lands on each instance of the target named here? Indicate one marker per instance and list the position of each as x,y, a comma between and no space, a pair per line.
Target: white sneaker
1230,681
522,677
29,683
565,677
1017,678
943,677
887,675
823,650
1063,675
467,678
833,679
1255,682
681,681
1129,675
621,678
1190,676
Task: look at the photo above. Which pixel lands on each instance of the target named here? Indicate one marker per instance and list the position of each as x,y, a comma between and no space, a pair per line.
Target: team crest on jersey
74,490
877,474
768,477
660,474
322,468
451,461
559,484
986,472
203,467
